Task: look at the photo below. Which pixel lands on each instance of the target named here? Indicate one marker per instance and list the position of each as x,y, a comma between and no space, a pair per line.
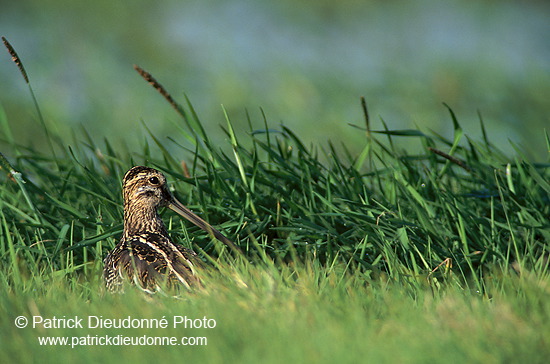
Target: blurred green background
306,63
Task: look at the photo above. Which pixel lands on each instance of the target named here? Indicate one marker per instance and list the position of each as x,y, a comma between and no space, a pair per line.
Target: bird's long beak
178,207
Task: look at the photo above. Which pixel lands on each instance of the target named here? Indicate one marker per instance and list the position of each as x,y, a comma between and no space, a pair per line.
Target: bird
146,255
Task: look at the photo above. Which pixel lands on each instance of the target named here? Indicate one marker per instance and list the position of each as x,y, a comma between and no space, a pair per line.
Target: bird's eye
154,180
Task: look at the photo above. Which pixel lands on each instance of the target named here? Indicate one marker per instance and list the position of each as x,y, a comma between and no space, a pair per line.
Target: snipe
145,255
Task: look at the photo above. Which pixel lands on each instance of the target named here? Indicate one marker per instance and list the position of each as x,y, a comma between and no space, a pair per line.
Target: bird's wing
152,262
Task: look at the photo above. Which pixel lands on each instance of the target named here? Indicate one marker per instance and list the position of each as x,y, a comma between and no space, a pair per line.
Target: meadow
385,255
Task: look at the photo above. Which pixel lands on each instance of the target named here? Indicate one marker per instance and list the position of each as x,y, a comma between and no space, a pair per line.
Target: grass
384,256
300,315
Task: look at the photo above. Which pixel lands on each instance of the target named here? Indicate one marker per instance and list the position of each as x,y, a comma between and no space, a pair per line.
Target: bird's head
145,190
146,187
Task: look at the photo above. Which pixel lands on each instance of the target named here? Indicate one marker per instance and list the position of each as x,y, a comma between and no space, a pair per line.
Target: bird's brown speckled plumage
145,255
